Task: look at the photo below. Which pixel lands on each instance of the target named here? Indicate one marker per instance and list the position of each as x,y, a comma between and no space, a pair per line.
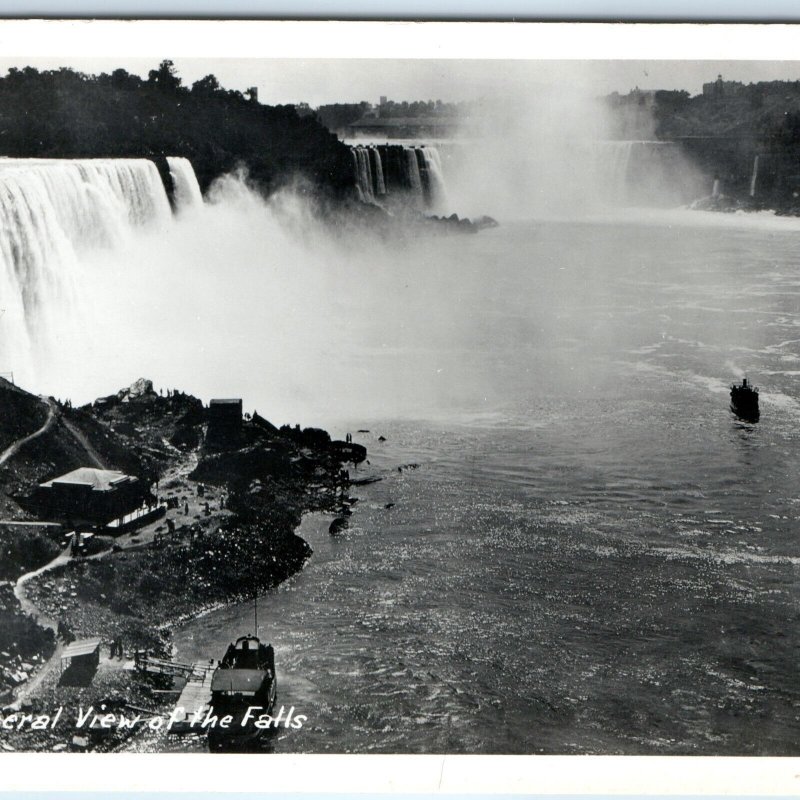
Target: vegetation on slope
67,114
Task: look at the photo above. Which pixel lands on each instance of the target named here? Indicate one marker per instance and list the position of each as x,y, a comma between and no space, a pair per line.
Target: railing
147,663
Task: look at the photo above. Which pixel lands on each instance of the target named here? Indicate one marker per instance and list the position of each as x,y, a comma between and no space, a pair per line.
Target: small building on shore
81,654
95,496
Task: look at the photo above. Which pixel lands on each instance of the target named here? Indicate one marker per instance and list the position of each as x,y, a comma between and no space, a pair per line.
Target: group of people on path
64,632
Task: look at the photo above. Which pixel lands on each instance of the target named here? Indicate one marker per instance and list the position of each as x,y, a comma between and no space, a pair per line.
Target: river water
593,555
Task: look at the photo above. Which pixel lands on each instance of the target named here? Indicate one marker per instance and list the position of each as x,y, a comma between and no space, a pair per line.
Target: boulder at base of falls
456,224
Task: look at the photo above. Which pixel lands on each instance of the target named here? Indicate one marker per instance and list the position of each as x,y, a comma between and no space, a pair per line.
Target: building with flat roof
97,496
226,406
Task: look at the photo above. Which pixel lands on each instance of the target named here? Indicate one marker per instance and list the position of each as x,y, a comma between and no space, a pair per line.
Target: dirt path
84,443
29,688
22,597
52,413
176,479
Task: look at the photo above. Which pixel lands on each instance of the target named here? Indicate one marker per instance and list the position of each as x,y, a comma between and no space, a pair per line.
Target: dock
196,695
144,662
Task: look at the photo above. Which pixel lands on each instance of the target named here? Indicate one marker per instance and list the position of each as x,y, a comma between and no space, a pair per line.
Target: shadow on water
744,425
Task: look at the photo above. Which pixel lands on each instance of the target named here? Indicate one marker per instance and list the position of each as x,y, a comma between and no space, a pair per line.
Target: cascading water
357,173
754,177
412,170
411,175
368,171
363,175
638,173
52,211
438,189
612,160
93,200
184,181
380,184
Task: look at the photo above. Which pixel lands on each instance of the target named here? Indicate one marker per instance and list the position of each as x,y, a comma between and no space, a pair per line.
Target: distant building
404,127
224,420
644,98
88,495
720,88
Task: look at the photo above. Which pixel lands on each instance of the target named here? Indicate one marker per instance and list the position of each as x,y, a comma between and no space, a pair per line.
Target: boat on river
244,687
744,401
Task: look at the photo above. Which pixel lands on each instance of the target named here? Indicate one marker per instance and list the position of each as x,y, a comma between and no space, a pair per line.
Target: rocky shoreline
228,534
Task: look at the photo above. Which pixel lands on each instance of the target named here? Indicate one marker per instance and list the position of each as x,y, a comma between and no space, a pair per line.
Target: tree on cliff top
759,112
66,114
166,77
206,86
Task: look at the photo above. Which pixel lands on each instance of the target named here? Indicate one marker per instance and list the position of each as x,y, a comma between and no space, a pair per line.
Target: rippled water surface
593,555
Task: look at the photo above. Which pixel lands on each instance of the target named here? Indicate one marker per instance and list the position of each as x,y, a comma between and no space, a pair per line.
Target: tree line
336,116
68,114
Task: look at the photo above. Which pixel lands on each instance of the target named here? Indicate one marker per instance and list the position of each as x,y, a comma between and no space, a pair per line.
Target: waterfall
399,174
754,178
366,177
52,211
380,184
433,164
613,161
92,200
368,173
184,181
363,174
412,170
357,173
634,173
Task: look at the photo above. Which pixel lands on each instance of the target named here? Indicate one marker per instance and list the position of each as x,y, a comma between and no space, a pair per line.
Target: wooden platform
144,662
196,696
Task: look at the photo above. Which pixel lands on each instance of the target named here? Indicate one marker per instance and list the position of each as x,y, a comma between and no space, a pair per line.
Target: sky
320,81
